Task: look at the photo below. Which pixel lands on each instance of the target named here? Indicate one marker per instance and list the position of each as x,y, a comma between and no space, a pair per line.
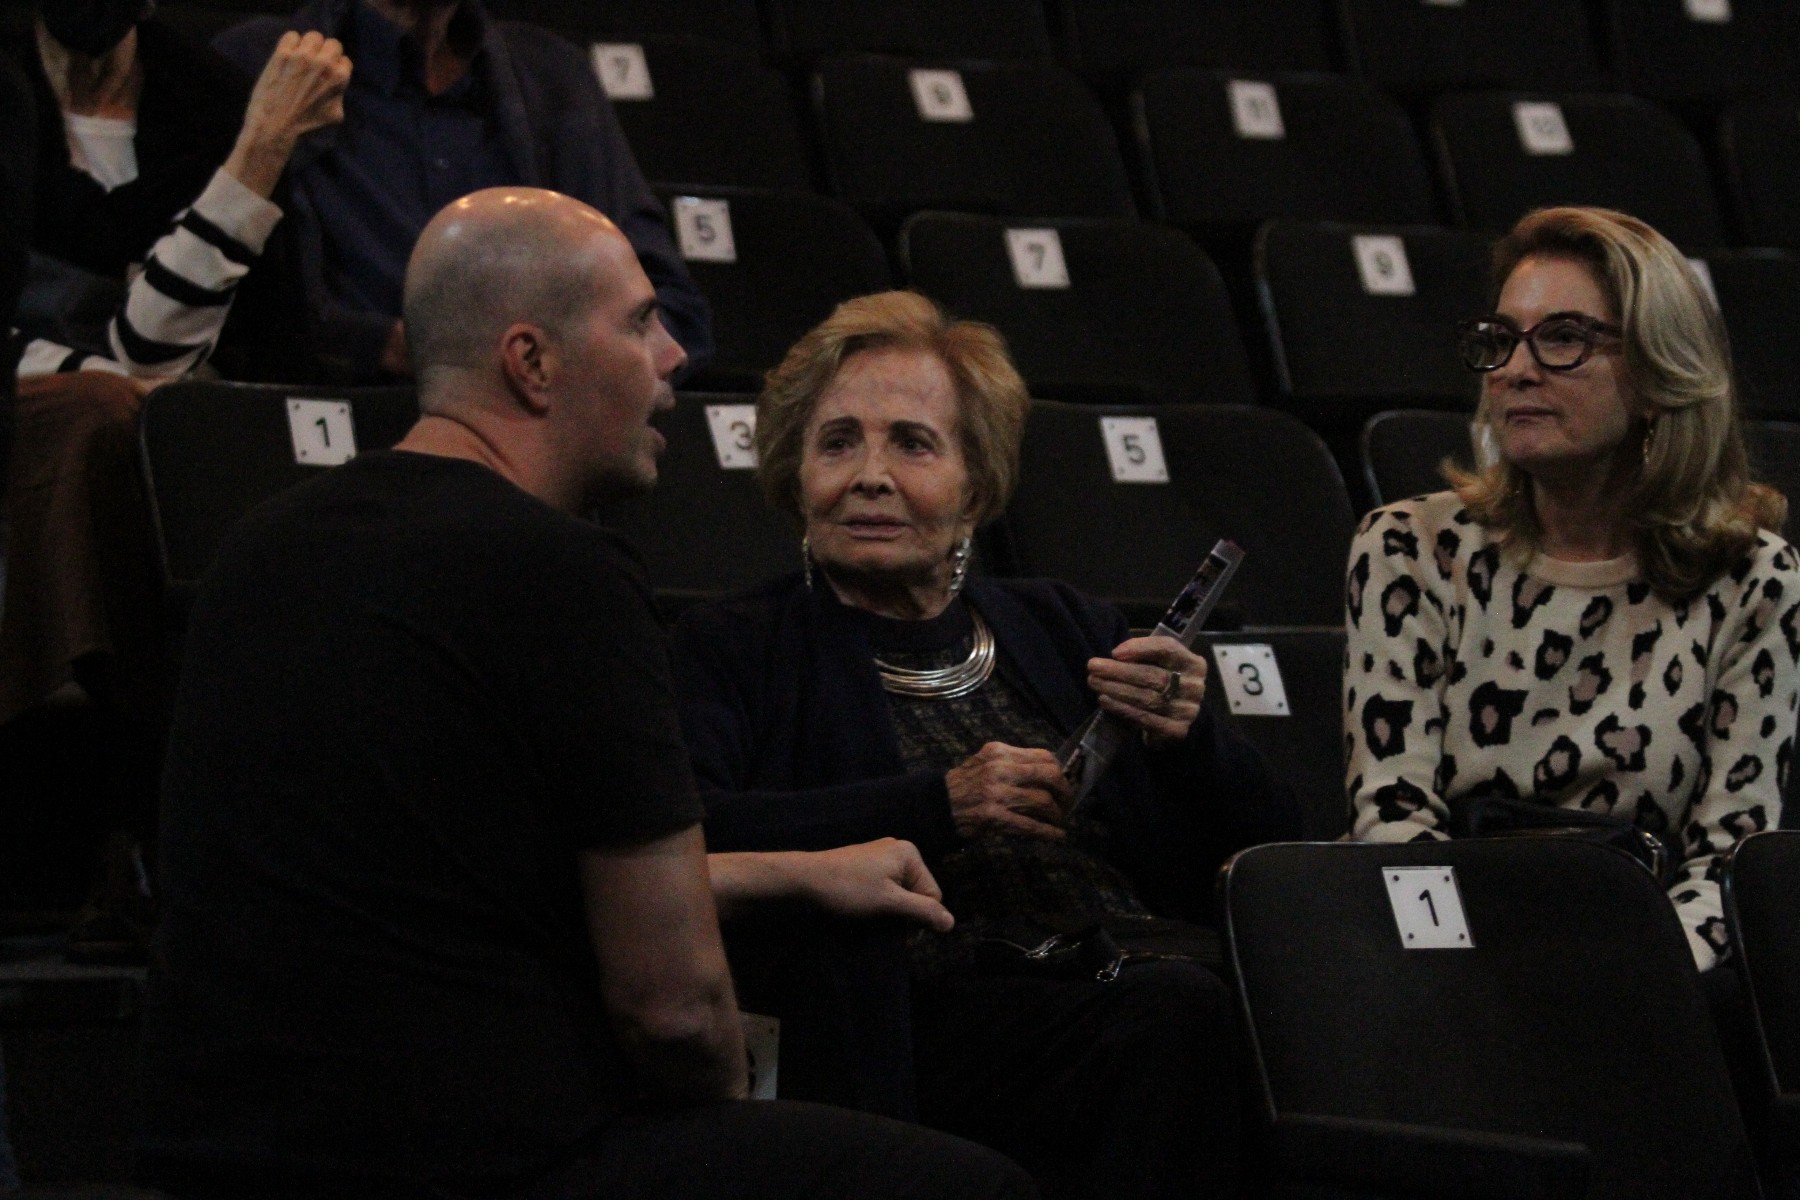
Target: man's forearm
742,880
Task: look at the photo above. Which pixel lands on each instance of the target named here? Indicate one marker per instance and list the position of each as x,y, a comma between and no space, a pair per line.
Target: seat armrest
1426,1160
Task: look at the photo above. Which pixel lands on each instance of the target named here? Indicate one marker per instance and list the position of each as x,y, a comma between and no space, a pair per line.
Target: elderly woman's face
1559,421
883,485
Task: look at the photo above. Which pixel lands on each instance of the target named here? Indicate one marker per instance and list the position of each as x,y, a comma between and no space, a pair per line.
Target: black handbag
1503,816
1021,946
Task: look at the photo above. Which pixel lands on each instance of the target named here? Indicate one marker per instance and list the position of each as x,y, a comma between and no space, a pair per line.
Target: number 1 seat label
1427,908
322,432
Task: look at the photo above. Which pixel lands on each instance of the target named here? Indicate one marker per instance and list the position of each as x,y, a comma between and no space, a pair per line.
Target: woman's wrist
258,160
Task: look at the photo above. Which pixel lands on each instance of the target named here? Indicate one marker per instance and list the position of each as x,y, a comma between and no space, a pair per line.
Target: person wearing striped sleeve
138,162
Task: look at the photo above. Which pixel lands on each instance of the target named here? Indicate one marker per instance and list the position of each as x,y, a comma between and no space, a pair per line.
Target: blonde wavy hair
1694,509
991,397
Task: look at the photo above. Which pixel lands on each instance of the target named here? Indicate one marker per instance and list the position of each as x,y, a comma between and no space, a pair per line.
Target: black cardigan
793,747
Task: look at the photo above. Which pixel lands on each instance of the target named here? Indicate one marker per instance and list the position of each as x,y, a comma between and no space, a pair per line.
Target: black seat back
1284,691
1565,1048
1141,315
1344,152
1254,475
211,452
1035,141
705,530
793,258
1621,152
1402,451
1364,316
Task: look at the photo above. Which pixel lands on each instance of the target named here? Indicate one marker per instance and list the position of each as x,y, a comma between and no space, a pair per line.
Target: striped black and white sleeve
178,303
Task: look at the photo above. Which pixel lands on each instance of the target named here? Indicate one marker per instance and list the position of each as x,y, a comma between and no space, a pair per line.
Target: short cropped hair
457,304
991,397
1695,509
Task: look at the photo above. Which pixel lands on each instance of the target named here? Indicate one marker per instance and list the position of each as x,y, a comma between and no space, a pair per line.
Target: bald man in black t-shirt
439,919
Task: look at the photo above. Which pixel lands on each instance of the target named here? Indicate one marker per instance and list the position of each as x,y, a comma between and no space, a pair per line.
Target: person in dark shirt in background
446,100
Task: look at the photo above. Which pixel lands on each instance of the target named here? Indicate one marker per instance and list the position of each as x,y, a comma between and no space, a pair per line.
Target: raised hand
300,90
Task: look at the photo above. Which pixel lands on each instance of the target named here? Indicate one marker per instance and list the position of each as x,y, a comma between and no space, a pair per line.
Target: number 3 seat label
1427,908
733,429
1252,680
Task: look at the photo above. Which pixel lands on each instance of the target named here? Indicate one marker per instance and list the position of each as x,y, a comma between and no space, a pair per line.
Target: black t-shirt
411,693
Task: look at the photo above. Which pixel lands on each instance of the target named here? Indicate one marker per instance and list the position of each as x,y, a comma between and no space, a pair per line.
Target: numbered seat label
623,72
1427,908
1542,130
1251,679
1037,258
940,96
1381,261
1716,12
322,432
1134,449
1255,110
703,227
762,1046
1703,271
733,429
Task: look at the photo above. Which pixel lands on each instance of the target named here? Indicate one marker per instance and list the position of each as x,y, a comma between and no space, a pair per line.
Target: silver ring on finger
1170,689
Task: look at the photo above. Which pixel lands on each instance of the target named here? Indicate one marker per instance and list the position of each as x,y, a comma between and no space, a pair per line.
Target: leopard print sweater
1570,683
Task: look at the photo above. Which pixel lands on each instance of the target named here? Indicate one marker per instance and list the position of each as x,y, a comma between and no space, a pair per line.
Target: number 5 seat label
1427,908
322,432
1134,450
703,227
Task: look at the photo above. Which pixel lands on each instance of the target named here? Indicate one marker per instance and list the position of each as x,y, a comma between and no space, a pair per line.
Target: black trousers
1119,1090
749,1150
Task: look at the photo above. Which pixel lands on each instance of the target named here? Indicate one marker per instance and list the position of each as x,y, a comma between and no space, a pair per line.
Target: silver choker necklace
945,683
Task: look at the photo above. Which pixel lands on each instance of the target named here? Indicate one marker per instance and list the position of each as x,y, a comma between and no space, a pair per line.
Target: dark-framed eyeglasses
1559,342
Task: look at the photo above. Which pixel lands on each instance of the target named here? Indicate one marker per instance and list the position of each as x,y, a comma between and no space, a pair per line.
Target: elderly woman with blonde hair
1603,619
888,690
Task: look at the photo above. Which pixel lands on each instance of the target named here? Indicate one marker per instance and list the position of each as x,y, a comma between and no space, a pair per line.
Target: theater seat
1108,42
999,30
1504,153
583,21
1093,311
1417,50
1562,1048
1363,317
771,265
1093,509
1688,51
1283,689
211,452
1226,150
1759,148
1403,449
1759,297
1015,139
703,113
1762,877
705,530
1775,460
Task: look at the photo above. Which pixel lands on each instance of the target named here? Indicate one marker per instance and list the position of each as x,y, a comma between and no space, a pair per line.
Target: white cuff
238,211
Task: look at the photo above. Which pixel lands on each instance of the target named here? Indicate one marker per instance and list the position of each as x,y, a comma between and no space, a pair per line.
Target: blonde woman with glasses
1603,619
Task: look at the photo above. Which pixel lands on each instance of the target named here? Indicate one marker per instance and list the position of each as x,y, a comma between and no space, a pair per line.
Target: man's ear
528,362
